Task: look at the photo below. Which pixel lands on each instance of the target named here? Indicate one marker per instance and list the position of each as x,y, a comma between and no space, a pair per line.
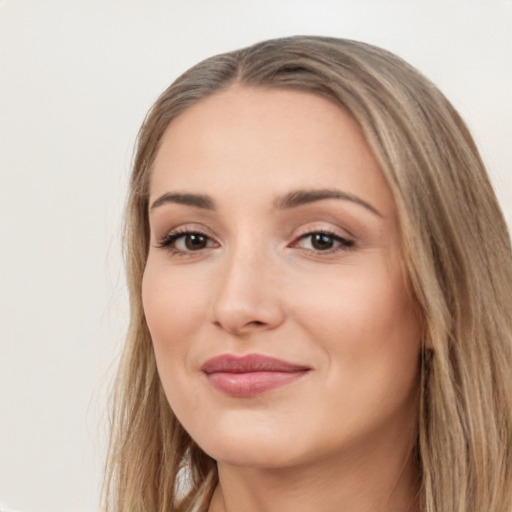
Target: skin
340,437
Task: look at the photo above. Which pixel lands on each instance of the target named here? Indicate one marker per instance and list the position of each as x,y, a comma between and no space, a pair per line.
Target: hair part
456,252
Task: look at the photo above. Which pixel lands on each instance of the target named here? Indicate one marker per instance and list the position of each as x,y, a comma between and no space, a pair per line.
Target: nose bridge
247,297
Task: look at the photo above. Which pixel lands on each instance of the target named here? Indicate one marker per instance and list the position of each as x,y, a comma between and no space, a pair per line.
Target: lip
250,375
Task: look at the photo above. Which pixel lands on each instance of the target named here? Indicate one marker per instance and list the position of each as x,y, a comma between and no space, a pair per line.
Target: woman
320,283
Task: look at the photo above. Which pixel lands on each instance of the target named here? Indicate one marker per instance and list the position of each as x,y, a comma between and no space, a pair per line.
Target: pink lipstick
250,375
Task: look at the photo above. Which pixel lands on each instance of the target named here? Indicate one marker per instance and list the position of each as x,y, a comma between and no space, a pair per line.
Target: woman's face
274,288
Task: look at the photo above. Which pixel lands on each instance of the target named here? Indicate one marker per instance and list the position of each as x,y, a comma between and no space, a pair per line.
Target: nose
247,297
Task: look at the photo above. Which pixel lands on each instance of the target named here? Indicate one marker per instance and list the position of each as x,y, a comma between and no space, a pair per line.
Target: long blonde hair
458,256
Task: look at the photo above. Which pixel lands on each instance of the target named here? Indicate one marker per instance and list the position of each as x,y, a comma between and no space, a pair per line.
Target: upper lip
231,363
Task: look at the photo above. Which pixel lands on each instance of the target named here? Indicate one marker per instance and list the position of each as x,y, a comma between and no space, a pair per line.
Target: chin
254,445
255,454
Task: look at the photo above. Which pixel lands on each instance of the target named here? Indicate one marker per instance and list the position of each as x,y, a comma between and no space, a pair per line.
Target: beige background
76,78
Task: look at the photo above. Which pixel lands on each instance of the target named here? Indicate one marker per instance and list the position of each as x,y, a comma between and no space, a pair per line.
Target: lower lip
249,384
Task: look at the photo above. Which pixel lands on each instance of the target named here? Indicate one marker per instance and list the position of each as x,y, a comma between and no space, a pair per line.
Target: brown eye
195,241
323,242
187,242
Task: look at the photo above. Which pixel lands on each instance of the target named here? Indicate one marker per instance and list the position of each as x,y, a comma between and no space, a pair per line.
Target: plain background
76,78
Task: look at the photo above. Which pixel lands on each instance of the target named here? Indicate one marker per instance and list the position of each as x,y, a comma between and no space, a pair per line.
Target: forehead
269,140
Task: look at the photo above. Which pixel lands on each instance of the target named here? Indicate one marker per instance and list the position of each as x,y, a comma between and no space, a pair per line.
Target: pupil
194,242
322,241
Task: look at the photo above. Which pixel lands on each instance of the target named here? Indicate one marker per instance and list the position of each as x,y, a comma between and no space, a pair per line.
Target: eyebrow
197,200
302,197
291,200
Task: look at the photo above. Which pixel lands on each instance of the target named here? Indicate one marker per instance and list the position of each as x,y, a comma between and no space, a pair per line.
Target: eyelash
343,244
168,241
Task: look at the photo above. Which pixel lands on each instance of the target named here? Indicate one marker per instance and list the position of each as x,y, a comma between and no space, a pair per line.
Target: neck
381,484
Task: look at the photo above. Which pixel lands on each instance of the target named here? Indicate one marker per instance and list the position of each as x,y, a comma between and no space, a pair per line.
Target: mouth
250,375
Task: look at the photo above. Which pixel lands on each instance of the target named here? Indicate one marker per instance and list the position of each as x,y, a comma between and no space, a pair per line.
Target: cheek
174,311
369,301
368,328
171,303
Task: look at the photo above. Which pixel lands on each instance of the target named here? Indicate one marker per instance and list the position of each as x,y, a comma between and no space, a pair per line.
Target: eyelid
344,241
323,227
164,231
167,240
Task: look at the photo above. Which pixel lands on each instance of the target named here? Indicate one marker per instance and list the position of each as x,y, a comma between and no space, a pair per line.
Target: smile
250,375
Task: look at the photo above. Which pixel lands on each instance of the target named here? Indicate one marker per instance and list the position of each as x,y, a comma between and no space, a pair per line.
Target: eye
322,241
186,242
